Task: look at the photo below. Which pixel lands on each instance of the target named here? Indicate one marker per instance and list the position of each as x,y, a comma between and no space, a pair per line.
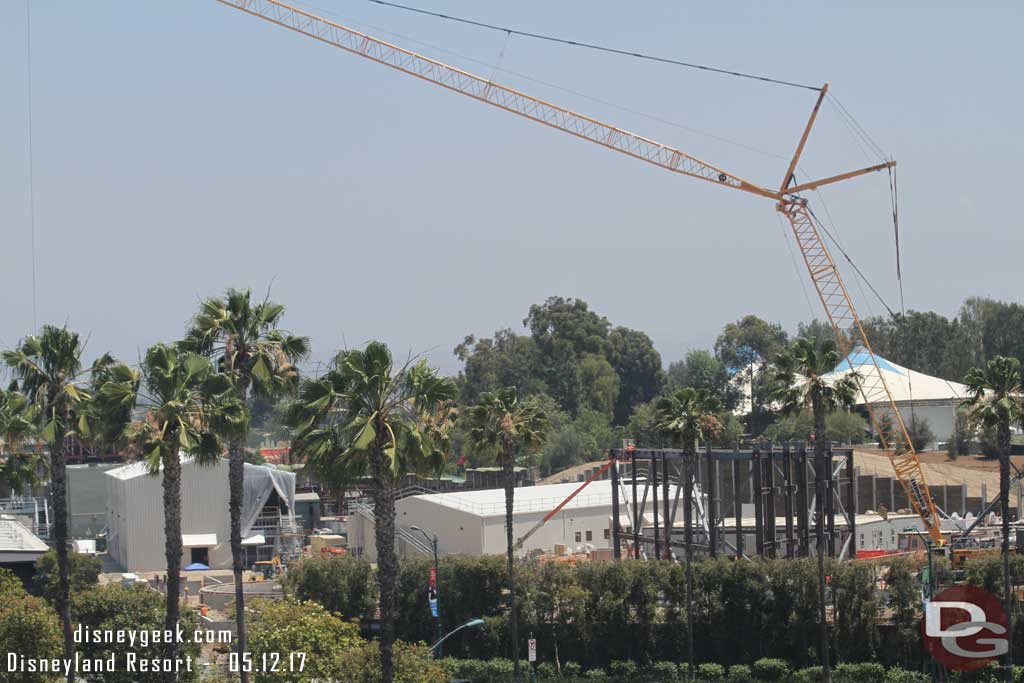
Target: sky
181,148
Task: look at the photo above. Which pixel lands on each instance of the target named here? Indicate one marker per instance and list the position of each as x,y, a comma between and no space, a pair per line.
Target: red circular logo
964,628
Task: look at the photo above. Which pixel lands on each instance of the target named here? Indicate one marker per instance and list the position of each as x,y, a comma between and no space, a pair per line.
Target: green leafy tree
49,372
306,628
29,628
505,426
702,370
343,585
84,573
996,402
113,607
504,360
799,373
245,341
745,348
638,365
186,406
365,410
599,383
688,417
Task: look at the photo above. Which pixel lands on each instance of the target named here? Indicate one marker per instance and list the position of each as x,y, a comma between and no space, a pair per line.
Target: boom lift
822,268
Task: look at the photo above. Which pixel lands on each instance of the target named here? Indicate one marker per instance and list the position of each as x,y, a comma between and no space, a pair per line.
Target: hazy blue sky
184,147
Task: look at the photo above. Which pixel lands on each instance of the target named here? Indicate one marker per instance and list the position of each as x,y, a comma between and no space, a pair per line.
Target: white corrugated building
473,522
916,394
135,514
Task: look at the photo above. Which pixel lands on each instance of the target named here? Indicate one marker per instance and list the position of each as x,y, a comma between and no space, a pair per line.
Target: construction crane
822,268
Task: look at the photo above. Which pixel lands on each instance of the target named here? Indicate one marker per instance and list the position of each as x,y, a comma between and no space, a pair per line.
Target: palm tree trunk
236,478
387,563
236,481
688,531
59,493
819,512
172,546
510,491
1004,500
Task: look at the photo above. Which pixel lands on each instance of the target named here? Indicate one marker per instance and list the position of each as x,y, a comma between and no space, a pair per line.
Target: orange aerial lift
822,268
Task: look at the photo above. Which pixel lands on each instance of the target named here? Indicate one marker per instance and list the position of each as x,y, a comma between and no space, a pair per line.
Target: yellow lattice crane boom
823,271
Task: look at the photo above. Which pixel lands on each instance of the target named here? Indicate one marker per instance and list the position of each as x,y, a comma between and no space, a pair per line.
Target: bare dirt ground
972,470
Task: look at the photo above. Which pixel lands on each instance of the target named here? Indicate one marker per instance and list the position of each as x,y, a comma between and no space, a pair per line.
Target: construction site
565,439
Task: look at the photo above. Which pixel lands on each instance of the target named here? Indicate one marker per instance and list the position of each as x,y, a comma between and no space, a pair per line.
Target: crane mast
822,269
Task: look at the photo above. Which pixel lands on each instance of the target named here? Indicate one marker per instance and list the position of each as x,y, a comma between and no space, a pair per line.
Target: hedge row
766,670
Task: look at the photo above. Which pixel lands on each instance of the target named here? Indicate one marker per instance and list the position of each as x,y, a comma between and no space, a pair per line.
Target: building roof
906,385
15,537
491,502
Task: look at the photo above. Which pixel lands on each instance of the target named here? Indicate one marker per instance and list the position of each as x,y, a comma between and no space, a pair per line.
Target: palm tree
504,426
996,402
49,373
186,406
686,417
244,340
367,413
800,384
20,465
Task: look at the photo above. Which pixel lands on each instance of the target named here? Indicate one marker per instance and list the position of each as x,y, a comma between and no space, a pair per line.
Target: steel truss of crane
780,482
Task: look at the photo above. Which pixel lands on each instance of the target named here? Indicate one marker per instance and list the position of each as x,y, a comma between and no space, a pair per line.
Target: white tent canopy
905,385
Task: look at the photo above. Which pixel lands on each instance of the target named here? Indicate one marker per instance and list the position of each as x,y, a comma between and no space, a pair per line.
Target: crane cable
592,46
31,164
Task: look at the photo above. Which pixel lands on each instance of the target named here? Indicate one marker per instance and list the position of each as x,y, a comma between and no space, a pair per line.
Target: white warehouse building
473,522
135,515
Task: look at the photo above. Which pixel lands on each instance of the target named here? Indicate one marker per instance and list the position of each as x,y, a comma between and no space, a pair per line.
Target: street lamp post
436,578
469,624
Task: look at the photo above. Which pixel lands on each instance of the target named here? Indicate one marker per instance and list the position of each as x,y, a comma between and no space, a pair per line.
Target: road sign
532,643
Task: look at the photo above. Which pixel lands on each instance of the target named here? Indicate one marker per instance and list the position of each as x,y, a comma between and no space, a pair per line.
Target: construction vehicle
268,569
787,199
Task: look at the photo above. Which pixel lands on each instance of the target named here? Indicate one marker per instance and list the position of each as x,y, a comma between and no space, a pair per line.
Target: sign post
532,657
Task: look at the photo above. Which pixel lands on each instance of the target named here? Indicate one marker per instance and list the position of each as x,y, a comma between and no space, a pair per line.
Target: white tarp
258,539
259,482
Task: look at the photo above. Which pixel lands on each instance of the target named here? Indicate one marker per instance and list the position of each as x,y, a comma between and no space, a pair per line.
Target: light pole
435,578
469,624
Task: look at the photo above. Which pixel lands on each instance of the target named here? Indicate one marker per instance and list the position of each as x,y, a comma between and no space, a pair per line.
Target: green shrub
546,671
710,672
571,670
862,672
473,669
770,670
811,674
665,672
596,676
904,676
623,671
498,670
740,673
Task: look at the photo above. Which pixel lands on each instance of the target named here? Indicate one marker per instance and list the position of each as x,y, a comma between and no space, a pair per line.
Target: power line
592,46
548,84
